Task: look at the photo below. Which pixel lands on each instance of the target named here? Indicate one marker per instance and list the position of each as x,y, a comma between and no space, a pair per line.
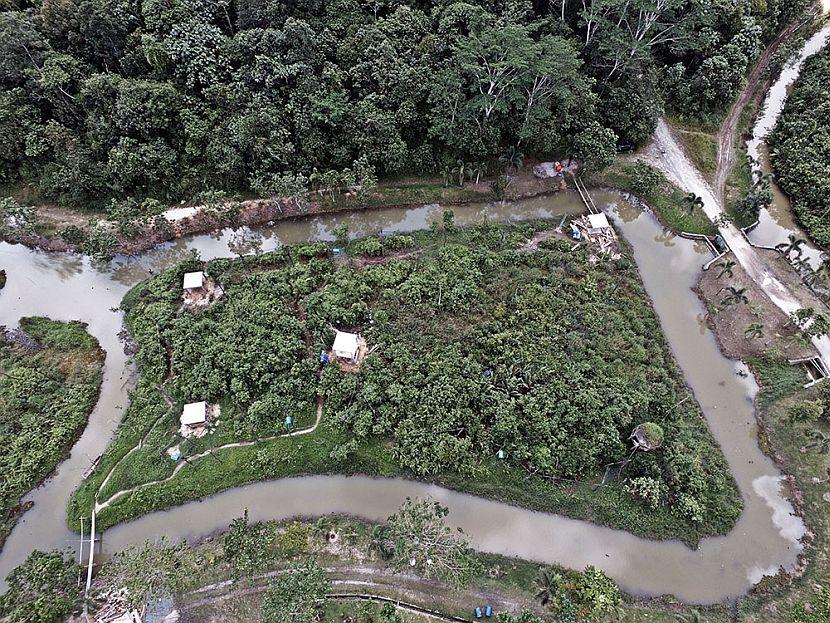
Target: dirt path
99,506
668,155
728,129
371,582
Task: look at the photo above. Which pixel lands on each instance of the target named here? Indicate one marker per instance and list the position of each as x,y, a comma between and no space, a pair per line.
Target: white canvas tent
194,414
346,345
193,280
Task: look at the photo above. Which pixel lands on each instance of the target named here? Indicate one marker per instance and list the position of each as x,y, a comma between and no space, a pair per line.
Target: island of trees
497,368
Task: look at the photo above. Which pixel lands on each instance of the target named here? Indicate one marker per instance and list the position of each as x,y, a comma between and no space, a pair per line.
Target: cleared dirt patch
747,328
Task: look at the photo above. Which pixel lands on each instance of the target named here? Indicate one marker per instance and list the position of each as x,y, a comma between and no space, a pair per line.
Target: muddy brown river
765,538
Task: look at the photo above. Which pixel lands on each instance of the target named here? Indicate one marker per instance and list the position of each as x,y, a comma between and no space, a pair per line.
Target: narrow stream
765,538
778,221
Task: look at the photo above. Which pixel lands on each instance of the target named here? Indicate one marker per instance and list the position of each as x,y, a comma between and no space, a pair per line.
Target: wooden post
81,553
91,554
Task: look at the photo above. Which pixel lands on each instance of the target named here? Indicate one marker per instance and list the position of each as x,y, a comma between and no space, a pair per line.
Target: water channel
765,537
778,221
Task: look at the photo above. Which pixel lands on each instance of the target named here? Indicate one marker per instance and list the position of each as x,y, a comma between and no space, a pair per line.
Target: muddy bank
266,212
745,322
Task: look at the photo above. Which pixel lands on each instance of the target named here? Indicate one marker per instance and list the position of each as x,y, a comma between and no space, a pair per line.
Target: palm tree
793,243
735,296
462,171
754,331
821,441
548,584
726,267
512,159
479,169
694,201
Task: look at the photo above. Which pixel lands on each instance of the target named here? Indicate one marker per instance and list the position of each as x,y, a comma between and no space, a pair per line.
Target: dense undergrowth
800,147
480,347
49,382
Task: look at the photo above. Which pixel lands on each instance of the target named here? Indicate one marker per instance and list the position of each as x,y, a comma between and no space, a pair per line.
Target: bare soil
730,322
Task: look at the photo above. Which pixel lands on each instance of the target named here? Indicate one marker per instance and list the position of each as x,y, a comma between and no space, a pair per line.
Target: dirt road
750,93
667,154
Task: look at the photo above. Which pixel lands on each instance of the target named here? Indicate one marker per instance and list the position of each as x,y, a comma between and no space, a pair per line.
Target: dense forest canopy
170,98
800,145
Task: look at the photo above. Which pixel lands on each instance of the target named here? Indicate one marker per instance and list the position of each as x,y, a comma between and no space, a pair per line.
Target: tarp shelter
346,345
598,223
194,414
193,280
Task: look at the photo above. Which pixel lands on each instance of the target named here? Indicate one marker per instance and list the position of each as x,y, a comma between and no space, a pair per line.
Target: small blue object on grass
288,422
324,358
176,455
478,613
337,250
500,454
488,611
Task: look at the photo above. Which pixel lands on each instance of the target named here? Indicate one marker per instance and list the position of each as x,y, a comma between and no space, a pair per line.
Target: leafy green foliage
417,537
245,547
149,571
114,98
296,596
800,145
478,347
590,596
44,589
49,381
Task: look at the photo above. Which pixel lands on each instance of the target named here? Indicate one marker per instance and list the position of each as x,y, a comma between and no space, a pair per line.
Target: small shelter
194,414
194,280
346,345
598,223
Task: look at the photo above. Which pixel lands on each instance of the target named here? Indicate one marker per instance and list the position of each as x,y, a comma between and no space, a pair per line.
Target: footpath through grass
481,343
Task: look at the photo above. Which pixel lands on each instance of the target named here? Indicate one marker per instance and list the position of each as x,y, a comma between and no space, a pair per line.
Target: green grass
668,202
703,150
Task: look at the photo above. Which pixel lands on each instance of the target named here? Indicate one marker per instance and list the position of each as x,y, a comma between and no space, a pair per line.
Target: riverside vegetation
483,344
275,572
800,147
50,374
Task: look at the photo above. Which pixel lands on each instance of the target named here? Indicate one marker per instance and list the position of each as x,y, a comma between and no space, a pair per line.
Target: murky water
778,221
766,534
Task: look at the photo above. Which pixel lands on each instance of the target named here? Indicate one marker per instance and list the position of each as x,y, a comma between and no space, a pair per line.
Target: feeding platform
348,351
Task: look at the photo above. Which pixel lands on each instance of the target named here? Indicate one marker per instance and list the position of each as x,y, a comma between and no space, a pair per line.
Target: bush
807,411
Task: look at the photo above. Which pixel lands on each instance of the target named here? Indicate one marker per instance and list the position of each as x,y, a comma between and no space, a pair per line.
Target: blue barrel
478,613
488,611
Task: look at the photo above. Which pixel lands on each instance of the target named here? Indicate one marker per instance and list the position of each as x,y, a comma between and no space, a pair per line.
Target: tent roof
598,221
194,413
194,280
345,343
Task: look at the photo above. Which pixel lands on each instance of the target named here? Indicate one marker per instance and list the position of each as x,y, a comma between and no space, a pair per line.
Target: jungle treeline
109,99
800,146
